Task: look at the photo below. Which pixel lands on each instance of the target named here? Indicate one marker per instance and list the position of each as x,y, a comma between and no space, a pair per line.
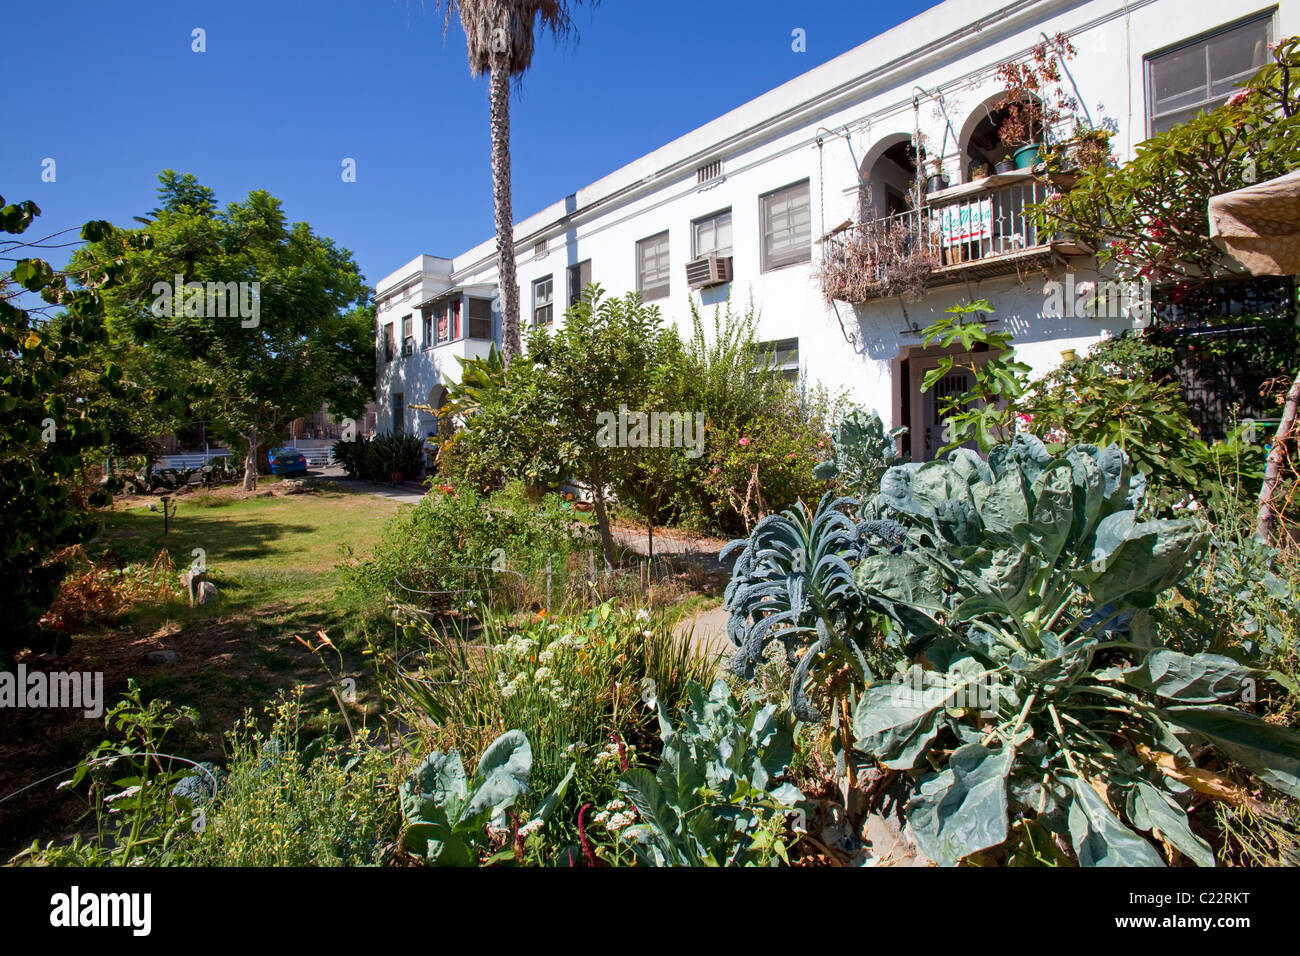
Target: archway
981,146
888,176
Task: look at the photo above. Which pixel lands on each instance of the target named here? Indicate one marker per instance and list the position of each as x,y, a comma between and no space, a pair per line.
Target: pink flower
744,440
1238,97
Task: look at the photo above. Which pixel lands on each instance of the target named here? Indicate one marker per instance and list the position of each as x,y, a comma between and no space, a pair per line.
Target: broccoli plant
715,799
447,814
1035,700
863,451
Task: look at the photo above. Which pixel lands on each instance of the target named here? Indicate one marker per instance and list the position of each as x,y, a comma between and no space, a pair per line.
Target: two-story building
761,201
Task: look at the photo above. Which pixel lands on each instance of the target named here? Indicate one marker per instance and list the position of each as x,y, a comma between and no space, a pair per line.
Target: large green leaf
502,774
1152,809
1271,751
897,722
1202,679
963,809
1100,838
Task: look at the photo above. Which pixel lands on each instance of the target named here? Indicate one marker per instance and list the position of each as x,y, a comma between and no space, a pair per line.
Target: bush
286,803
576,686
379,458
430,545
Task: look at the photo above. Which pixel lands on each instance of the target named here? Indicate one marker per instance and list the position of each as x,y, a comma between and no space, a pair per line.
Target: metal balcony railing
977,230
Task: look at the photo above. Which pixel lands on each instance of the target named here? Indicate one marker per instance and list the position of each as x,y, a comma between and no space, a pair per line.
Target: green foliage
381,457
1038,666
717,798
446,814
1149,216
793,582
863,450
310,341
986,413
142,816
45,433
284,802
574,685
429,545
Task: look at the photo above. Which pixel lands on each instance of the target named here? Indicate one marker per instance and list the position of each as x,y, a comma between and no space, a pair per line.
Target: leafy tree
985,413
43,435
500,37
303,334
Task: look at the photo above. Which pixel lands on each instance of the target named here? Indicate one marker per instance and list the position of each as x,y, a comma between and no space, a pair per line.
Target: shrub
379,458
285,802
576,686
430,545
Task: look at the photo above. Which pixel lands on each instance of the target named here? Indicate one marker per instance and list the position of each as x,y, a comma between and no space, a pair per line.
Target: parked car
288,461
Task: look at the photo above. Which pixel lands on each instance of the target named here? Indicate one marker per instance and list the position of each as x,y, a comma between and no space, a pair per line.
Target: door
926,427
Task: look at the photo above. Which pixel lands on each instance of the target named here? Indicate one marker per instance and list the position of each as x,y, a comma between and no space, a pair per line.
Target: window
388,342
781,355
426,321
1202,73
399,413
787,226
543,313
408,334
579,279
711,236
652,267
448,321
480,319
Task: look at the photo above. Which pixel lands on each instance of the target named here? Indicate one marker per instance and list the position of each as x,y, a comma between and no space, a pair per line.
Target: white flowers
542,675
529,828
643,615
616,816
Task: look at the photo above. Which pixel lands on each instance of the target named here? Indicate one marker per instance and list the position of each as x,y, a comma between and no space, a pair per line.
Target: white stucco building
762,187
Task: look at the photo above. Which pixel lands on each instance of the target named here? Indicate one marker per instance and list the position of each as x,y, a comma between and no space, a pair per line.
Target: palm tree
499,38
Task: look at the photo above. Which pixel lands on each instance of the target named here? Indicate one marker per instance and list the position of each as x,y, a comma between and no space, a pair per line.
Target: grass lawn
275,562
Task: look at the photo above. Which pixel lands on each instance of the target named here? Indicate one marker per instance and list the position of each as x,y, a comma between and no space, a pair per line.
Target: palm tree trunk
250,462
1272,472
499,98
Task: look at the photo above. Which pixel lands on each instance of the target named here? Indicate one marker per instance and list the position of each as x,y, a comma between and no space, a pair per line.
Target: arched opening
888,178
994,131
438,398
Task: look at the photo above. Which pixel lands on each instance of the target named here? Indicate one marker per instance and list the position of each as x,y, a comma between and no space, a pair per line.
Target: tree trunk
650,538
250,461
1265,519
499,97
602,522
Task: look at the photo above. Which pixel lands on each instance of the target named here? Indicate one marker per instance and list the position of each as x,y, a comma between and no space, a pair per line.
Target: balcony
977,230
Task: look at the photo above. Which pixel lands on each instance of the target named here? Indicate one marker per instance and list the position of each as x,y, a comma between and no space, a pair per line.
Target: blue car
288,461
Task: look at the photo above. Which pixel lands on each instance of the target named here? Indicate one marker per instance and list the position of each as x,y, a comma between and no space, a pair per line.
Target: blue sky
286,90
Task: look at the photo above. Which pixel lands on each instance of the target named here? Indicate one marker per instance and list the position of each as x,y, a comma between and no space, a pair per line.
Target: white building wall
825,126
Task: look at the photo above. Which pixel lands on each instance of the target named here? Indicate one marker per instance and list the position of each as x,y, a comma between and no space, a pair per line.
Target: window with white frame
711,236
787,226
543,309
652,267
780,355
408,334
1202,73
579,279
426,322
480,319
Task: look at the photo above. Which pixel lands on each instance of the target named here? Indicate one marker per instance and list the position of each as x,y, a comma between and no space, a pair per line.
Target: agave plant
1028,577
793,582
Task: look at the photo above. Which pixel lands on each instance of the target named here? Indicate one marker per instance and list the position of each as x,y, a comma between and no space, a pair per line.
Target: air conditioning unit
708,270
408,349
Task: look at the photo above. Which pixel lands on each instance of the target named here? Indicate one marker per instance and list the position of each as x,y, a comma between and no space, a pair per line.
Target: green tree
500,38
44,437
299,334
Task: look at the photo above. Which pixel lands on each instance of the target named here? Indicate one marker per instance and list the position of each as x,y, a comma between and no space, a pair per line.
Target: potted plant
1033,102
1006,164
979,171
937,180
1087,148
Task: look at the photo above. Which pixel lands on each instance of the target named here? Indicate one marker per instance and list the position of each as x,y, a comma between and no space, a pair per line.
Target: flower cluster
616,815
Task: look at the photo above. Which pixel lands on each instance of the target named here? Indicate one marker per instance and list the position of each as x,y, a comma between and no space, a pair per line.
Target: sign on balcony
966,222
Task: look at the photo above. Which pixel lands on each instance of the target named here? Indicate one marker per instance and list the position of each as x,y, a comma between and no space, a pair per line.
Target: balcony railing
975,230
